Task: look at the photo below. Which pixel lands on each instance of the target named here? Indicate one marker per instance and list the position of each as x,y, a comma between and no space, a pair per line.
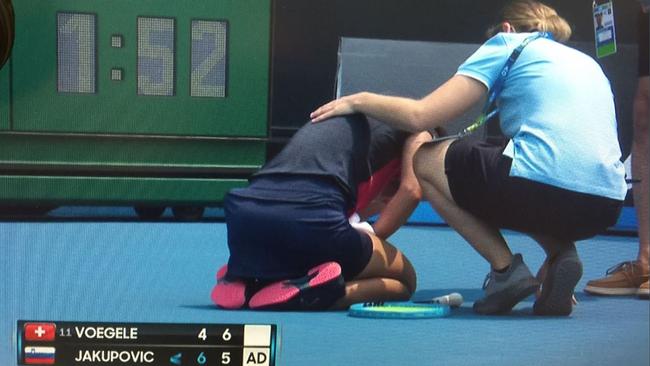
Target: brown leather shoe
623,279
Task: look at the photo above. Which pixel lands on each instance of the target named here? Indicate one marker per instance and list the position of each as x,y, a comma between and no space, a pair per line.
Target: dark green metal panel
123,152
112,190
103,141
116,107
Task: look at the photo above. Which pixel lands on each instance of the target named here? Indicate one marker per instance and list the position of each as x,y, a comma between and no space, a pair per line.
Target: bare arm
408,196
447,102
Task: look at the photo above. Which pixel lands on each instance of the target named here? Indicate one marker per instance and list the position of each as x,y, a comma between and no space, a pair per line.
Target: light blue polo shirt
557,108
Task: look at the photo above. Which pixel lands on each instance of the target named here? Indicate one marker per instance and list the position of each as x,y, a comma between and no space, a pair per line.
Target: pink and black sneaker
318,290
230,295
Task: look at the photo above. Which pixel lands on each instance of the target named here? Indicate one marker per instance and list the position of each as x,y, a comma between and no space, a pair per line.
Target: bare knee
423,163
389,262
405,272
429,167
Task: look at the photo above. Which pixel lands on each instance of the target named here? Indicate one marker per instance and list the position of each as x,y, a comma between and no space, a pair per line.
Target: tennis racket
398,310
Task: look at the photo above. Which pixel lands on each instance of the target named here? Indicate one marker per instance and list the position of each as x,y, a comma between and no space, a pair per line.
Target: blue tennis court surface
163,272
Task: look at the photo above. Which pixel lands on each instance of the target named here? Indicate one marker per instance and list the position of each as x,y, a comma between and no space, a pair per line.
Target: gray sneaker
563,274
504,290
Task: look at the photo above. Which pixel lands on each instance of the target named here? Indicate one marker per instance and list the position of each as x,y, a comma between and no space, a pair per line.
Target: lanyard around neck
489,112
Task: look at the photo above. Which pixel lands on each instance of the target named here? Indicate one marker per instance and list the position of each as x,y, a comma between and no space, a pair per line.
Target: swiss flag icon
40,331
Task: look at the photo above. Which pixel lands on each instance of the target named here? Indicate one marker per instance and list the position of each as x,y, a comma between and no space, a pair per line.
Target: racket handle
453,299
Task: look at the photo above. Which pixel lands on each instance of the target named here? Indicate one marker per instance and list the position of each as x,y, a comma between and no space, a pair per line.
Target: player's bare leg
388,276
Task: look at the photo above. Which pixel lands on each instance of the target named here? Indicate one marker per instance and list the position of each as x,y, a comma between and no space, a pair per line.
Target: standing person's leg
640,167
510,281
631,277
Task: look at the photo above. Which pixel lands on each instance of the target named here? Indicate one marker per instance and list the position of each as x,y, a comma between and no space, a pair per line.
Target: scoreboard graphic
157,344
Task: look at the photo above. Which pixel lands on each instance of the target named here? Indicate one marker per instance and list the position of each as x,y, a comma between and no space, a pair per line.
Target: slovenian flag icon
39,355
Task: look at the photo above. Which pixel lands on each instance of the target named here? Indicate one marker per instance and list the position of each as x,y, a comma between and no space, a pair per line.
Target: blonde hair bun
533,16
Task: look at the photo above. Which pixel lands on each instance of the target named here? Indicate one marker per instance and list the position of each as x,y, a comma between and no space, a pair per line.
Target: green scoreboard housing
122,102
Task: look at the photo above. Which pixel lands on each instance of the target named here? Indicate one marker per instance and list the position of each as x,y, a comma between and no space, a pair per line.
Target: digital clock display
77,65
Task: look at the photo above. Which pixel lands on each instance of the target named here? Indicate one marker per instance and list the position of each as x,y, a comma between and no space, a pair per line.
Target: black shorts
281,226
479,179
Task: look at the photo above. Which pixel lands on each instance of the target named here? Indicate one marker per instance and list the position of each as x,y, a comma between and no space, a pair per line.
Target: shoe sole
298,294
558,289
611,291
229,295
495,303
643,293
